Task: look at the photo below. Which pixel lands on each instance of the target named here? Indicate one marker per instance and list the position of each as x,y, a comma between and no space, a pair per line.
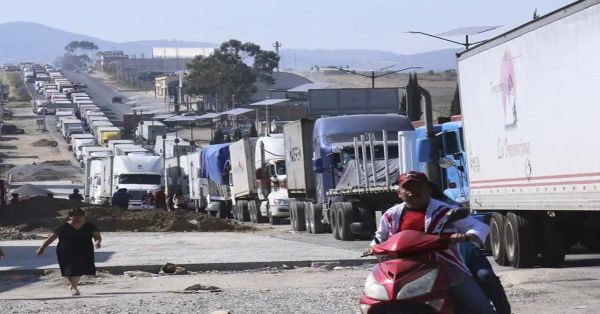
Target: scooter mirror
358,228
446,162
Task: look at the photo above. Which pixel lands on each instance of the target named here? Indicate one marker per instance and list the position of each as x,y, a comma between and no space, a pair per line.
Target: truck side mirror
424,150
317,165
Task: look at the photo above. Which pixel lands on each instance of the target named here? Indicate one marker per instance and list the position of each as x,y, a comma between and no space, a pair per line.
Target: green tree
253,132
455,106
78,54
237,134
231,70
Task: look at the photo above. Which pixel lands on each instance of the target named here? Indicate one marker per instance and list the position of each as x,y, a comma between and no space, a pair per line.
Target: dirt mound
41,143
57,163
44,213
45,171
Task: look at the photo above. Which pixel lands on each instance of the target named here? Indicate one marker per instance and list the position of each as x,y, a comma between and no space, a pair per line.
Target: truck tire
243,213
300,217
554,245
519,241
316,215
345,216
368,219
293,213
272,220
497,239
253,211
310,221
222,212
235,211
333,218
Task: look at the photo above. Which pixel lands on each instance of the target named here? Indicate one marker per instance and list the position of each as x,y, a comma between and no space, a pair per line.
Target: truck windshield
280,167
139,179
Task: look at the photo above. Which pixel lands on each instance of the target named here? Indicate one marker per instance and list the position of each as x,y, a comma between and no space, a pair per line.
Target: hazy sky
312,24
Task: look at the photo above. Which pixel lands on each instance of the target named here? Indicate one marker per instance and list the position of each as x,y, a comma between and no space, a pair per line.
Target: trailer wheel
345,216
316,215
308,218
300,218
519,241
497,239
554,245
221,211
333,218
243,213
293,211
235,211
368,218
253,212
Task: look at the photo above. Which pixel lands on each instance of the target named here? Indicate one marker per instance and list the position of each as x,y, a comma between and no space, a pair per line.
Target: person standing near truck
121,198
160,198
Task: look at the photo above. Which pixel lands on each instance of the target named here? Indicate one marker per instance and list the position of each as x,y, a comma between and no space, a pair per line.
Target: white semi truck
258,179
529,107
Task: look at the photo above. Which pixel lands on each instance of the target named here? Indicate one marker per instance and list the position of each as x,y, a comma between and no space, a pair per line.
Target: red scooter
414,273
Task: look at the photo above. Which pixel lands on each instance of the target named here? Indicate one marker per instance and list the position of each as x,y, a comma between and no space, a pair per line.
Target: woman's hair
76,212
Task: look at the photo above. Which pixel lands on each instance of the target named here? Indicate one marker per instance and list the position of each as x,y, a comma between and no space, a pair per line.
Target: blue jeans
469,299
483,274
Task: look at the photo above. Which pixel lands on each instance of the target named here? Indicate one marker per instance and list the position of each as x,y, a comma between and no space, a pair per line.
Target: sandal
74,292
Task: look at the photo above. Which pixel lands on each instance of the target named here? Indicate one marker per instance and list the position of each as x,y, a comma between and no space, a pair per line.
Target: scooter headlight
374,290
418,287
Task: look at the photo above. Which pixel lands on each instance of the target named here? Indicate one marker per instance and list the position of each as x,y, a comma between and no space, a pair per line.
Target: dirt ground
278,290
42,214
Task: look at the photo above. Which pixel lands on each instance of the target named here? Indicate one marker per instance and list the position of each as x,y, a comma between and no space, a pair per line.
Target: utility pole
164,158
277,45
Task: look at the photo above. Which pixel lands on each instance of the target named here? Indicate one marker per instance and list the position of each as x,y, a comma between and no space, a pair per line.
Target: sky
307,24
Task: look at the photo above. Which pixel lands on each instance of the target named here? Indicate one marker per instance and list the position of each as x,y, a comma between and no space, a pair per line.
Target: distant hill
25,41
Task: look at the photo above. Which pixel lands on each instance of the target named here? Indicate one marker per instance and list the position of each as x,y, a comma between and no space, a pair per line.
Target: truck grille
136,195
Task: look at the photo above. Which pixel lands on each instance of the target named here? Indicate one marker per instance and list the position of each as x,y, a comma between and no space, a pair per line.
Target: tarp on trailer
348,179
215,163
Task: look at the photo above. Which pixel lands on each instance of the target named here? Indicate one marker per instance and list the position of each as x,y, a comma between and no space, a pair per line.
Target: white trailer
529,109
172,149
69,126
98,171
79,143
256,186
197,190
149,130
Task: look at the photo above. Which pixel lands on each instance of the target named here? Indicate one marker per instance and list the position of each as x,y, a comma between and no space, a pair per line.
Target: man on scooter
423,213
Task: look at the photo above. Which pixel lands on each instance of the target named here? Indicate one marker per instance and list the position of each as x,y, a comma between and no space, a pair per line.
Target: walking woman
75,250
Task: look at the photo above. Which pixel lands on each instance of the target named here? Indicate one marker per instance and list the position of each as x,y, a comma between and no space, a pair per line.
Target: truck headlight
374,290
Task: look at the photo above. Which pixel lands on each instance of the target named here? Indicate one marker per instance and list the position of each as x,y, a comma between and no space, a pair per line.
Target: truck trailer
523,96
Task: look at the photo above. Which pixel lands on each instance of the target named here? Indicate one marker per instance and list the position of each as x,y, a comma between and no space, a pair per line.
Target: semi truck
107,174
540,184
259,180
107,133
214,174
138,174
149,130
320,155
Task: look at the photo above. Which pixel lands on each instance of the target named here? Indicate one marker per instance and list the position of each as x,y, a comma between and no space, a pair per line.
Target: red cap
413,176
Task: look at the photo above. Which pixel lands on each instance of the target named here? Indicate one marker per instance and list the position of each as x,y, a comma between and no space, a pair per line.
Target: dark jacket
120,199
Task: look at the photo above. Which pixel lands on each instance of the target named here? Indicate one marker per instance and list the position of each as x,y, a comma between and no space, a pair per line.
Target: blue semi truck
320,155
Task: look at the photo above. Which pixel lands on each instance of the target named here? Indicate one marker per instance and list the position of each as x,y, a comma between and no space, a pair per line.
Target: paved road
102,95
152,248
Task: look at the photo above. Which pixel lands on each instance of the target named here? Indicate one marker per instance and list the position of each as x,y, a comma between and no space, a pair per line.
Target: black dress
75,250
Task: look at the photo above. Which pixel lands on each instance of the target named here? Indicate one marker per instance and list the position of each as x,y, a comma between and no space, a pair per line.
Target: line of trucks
508,156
